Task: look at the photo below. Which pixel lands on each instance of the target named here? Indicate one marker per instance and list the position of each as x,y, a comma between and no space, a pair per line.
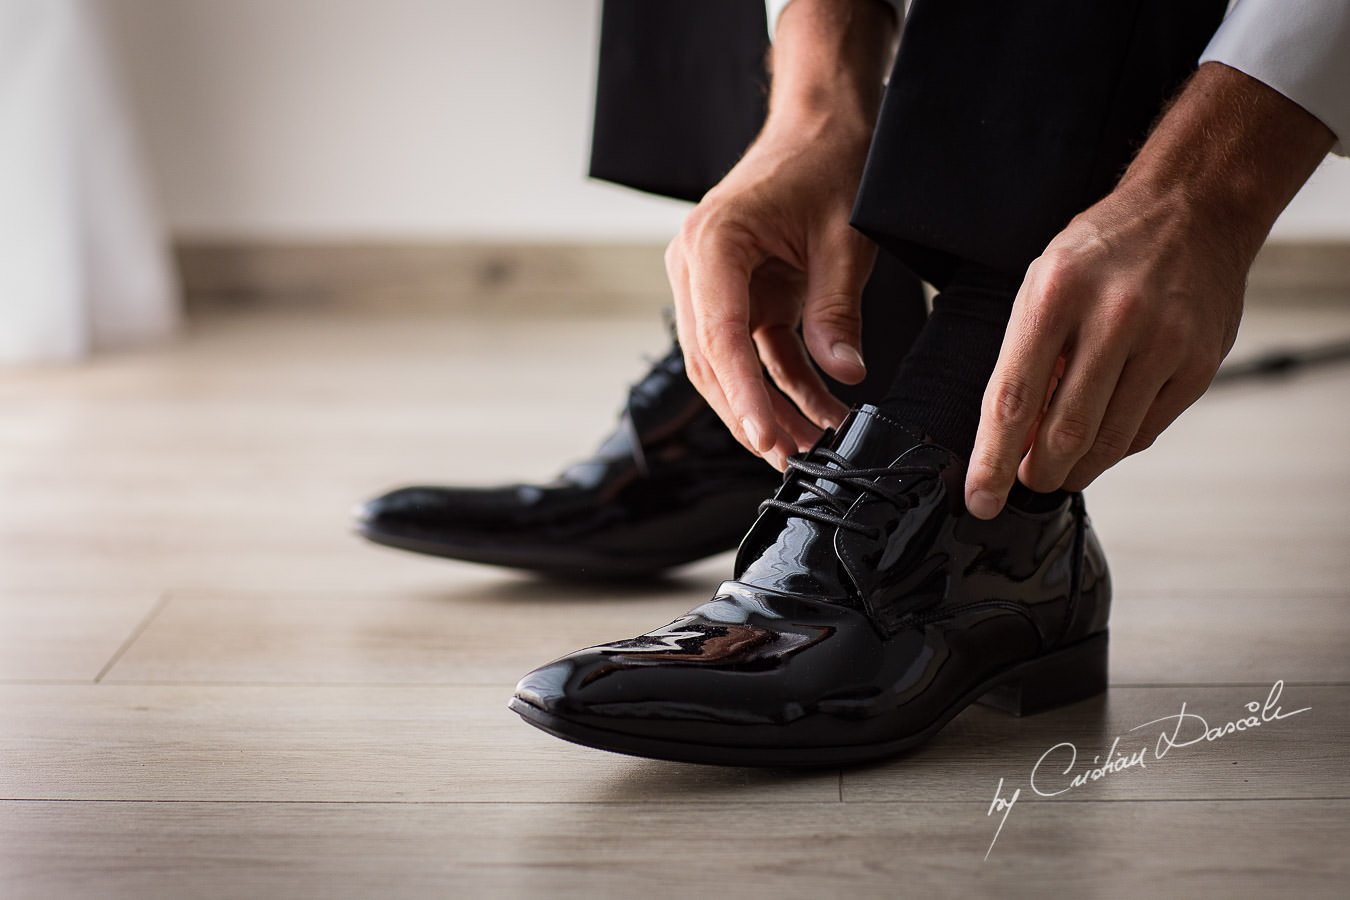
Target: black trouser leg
1002,121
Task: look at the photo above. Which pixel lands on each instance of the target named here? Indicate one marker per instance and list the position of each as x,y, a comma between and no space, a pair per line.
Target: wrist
828,65
1226,158
845,131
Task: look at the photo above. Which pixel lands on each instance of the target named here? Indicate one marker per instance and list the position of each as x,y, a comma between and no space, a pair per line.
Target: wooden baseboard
524,278
479,278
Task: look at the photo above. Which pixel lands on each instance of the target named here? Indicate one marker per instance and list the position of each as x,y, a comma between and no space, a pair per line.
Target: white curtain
84,261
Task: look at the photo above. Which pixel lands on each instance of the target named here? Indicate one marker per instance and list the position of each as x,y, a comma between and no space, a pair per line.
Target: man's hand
770,247
1119,327
1121,324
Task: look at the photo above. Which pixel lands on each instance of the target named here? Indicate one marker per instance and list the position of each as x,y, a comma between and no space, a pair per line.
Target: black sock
940,385
893,312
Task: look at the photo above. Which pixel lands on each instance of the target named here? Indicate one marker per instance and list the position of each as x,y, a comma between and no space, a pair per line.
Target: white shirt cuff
1301,48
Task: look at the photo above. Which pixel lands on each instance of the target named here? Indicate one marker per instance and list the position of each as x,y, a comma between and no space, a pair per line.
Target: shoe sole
568,564
1074,673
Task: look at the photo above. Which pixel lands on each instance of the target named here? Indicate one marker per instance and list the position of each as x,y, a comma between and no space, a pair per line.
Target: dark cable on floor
1280,363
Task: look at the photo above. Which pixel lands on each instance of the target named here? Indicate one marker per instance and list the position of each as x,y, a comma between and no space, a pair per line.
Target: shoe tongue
869,438
796,554
659,405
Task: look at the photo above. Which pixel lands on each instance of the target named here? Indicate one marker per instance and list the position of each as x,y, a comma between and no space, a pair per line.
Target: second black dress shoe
868,608
669,486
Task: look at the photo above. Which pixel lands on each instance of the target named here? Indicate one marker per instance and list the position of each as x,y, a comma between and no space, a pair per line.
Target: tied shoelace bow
826,507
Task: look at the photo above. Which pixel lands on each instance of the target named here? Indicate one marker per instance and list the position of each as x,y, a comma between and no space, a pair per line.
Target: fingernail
752,434
984,505
845,352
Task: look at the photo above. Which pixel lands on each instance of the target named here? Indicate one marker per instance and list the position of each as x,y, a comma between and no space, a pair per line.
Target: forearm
828,65
1229,154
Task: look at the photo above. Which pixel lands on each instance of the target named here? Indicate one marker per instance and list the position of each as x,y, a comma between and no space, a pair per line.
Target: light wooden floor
211,689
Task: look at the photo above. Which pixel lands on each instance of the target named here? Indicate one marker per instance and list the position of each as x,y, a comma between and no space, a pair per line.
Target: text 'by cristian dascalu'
1058,771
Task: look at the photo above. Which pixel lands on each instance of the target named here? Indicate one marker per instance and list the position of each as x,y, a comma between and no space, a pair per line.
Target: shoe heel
1065,676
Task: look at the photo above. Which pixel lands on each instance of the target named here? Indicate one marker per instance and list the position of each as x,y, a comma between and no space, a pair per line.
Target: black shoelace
820,505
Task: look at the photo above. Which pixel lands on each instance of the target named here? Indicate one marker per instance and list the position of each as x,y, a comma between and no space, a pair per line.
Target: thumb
832,315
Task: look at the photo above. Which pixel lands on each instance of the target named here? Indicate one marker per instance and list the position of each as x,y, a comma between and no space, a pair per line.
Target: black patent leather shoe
868,608
669,486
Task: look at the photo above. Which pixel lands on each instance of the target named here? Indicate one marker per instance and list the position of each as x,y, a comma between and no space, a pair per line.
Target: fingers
1013,400
719,291
695,365
832,316
1163,407
804,433
1122,387
728,340
790,368
1108,405
712,324
1069,430
1175,398
1120,429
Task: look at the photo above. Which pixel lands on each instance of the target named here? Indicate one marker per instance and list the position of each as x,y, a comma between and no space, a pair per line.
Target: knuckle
697,370
836,314
1128,308
706,232
1167,345
1142,441
1012,400
696,231
674,255
780,375
694,219
1194,378
1070,436
1181,338
1081,477
1046,265
1112,443
717,335
989,469
1043,313
1037,474
1055,276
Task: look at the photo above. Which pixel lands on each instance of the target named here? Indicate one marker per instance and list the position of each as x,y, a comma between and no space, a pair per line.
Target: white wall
407,118
376,118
